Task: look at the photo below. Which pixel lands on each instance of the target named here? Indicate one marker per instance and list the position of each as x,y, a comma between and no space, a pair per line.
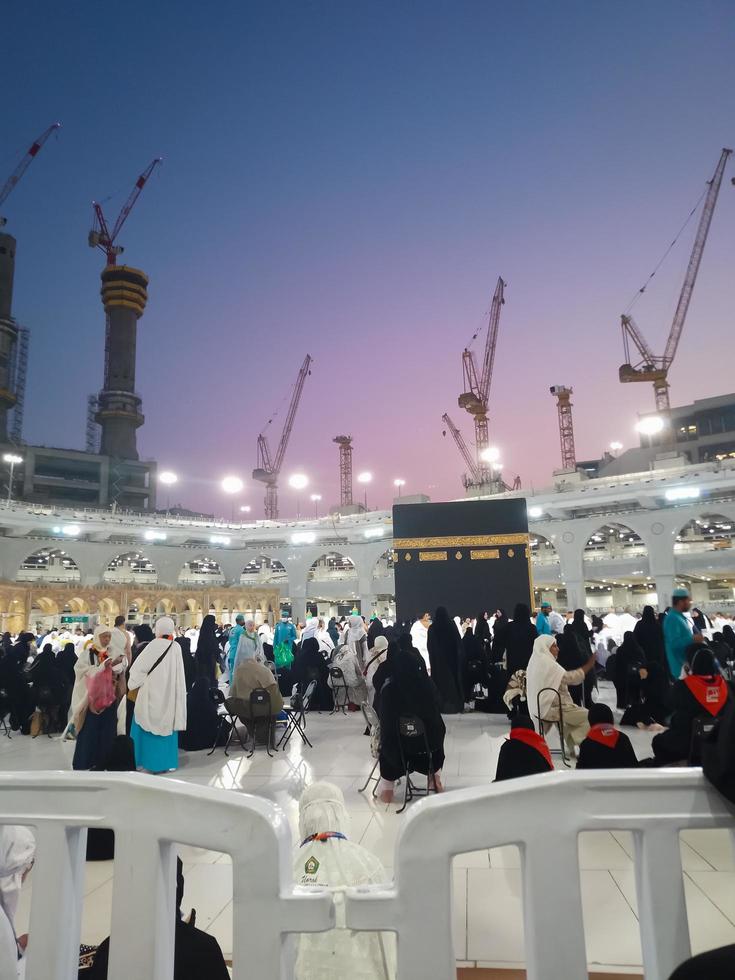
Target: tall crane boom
695,259
656,369
462,446
475,397
24,164
100,236
268,468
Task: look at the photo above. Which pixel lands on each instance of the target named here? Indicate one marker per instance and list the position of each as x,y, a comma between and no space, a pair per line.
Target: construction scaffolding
18,375
93,433
563,397
345,470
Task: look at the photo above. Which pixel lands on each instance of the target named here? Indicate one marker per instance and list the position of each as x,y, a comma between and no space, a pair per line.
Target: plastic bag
282,655
100,691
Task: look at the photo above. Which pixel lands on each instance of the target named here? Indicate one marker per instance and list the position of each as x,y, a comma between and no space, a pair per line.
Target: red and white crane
650,367
475,397
100,236
269,468
24,164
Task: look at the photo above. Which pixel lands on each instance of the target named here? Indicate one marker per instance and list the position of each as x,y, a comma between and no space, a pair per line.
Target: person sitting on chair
196,953
702,694
605,747
525,752
250,675
544,673
327,858
408,691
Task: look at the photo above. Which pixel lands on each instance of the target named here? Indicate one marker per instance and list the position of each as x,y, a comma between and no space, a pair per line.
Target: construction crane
24,164
269,468
474,398
345,469
475,478
656,369
100,236
19,374
563,397
472,477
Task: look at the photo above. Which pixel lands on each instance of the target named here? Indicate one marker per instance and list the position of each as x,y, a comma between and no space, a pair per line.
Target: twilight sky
349,179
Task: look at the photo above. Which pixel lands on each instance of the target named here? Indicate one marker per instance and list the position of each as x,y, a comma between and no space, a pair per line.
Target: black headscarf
482,627
207,651
701,660
579,625
728,635
698,619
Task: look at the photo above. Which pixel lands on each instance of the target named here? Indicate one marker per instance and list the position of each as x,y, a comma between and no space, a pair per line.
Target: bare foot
437,783
386,796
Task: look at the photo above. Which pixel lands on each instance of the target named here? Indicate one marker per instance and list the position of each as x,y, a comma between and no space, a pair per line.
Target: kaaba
471,556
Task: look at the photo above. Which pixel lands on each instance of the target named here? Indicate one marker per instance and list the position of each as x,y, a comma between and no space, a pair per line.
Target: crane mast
656,369
24,164
269,468
476,395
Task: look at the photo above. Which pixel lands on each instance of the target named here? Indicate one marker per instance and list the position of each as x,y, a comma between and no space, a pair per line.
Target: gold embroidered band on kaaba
460,541
432,556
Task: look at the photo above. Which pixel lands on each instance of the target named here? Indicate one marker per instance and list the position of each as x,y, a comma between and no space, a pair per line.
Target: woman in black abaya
207,651
649,636
446,659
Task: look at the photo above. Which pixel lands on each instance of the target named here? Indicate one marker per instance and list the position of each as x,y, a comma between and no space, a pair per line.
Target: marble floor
488,926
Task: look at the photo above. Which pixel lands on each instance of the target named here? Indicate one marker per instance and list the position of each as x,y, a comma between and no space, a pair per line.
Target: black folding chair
260,716
414,744
226,718
702,729
296,713
339,690
4,712
373,723
542,722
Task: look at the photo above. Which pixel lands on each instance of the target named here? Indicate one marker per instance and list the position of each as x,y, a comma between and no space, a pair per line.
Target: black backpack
718,752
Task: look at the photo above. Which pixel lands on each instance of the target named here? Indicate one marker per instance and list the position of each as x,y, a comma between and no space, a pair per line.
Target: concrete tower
8,330
124,295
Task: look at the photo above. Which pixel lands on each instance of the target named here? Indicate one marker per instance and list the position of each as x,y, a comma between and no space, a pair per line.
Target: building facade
620,541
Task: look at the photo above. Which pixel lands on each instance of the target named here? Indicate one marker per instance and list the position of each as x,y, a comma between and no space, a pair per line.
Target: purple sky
349,180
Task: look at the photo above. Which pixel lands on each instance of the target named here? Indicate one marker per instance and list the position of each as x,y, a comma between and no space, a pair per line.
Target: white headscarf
543,672
311,629
17,850
322,808
356,629
165,626
99,630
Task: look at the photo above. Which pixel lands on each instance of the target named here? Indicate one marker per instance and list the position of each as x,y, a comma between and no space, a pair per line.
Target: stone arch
130,566
48,565
710,531
383,567
332,566
614,540
616,568
263,569
201,569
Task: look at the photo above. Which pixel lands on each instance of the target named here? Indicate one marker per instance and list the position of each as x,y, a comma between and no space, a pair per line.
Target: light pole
245,509
365,478
298,481
315,498
399,483
167,478
13,459
232,485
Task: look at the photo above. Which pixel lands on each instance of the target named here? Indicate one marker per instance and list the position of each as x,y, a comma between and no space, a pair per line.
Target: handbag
100,691
133,695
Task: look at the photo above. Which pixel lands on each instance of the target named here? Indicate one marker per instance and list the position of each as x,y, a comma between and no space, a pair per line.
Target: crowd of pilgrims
131,700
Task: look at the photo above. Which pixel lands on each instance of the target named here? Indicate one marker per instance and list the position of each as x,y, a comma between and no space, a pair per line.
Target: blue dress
156,753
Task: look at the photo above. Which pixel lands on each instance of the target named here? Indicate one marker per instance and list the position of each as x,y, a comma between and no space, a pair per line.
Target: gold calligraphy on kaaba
432,556
483,554
461,541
